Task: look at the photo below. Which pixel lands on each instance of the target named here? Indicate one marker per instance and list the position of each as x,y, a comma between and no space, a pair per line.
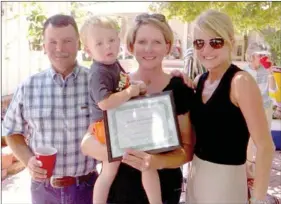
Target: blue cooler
276,133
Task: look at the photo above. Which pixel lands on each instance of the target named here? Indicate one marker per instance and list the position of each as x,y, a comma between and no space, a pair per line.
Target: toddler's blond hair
100,21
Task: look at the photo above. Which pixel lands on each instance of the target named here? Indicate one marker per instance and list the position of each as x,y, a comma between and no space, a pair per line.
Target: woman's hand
139,160
185,78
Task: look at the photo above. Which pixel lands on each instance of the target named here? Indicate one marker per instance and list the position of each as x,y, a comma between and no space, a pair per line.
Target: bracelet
253,200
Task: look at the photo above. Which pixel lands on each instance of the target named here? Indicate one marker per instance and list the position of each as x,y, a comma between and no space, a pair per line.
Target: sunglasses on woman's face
159,17
215,43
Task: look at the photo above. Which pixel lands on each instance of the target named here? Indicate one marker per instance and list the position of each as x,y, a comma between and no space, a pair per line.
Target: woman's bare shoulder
242,78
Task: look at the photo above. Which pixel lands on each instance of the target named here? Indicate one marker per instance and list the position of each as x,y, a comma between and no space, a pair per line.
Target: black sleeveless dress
127,187
221,131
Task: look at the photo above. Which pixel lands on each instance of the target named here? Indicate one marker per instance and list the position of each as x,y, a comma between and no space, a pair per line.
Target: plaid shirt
261,77
51,111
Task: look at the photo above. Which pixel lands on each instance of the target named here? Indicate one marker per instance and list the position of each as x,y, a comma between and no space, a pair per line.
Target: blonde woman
267,84
150,40
228,108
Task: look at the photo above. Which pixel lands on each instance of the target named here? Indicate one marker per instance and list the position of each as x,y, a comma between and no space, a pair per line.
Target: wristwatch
255,201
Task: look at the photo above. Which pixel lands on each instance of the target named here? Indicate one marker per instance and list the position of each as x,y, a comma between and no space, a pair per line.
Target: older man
51,109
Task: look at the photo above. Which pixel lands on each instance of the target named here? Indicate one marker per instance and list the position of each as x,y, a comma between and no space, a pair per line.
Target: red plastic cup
265,62
47,155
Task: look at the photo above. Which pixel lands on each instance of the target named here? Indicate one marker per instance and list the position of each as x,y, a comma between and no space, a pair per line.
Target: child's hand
133,90
141,85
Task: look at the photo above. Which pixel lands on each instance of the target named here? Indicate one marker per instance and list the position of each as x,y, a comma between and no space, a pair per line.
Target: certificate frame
154,104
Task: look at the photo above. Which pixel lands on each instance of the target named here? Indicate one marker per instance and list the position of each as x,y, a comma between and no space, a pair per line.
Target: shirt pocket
83,110
78,111
78,117
84,115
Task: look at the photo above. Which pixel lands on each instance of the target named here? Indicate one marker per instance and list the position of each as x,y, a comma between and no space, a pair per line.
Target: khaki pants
251,150
211,183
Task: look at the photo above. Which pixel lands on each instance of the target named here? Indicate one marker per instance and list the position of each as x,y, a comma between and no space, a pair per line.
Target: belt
69,180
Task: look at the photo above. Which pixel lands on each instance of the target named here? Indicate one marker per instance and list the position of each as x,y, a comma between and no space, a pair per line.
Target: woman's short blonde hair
216,23
101,21
156,20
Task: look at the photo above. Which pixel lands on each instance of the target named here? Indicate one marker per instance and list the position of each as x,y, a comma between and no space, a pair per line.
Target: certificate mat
146,123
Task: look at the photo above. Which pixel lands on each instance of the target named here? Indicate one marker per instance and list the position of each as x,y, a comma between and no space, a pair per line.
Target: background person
267,84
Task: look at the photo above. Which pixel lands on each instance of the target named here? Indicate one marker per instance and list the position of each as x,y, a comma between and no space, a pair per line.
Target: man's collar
74,72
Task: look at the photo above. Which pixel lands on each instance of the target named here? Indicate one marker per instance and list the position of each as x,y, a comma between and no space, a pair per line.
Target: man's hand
185,78
25,155
35,170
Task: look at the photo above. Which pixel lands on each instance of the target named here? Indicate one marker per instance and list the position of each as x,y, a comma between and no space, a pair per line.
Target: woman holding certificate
227,109
150,40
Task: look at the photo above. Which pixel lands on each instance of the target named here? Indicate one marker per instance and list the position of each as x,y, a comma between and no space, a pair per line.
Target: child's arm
116,99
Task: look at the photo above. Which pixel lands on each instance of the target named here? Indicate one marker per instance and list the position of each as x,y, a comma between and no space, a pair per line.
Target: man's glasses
157,16
215,43
262,55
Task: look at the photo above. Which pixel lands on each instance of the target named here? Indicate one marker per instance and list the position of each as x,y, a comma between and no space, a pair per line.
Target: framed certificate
147,123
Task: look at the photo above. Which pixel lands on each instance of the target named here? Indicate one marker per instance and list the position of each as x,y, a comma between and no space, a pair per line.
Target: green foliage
246,16
36,19
8,7
78,13
274,40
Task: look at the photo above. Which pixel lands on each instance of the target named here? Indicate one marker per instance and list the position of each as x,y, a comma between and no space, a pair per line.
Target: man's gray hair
257,48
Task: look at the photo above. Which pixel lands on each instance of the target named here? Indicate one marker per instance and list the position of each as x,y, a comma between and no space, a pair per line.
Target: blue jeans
44,193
